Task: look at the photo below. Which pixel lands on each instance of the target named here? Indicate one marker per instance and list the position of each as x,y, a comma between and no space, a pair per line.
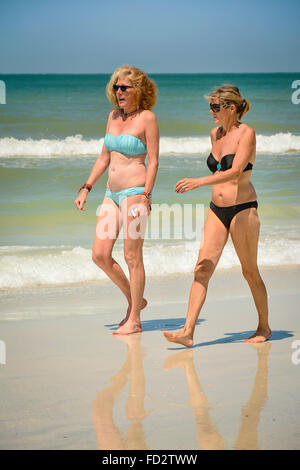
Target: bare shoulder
114,114
214,133
247,138
150,123
247,131
148,116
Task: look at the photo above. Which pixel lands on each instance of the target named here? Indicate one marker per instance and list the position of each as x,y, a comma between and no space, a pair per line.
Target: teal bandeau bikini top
125,143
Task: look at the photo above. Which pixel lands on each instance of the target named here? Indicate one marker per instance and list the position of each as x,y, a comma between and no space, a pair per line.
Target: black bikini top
224,164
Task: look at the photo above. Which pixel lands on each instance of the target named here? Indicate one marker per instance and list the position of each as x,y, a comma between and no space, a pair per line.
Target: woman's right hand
81,200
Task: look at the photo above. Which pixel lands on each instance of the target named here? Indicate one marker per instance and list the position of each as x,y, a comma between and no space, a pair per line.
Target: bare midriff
234,192
126,171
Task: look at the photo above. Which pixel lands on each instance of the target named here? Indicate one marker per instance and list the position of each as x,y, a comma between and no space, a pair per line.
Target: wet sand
68,383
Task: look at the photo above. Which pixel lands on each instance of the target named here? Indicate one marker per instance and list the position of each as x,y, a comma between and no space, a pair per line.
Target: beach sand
68,383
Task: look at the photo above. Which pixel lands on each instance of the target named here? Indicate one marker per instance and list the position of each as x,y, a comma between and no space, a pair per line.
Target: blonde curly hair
144,86
230,94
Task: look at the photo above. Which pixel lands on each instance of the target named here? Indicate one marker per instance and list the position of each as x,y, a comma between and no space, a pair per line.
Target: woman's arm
102,161
100,166
152,141
98,169
246,148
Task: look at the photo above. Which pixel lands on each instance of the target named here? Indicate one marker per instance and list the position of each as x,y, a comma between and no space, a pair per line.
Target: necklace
126,115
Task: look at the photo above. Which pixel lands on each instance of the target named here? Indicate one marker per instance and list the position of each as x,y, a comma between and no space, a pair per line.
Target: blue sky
159,36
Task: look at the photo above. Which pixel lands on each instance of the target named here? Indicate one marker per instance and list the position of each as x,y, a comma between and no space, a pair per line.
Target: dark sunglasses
121,87
217,107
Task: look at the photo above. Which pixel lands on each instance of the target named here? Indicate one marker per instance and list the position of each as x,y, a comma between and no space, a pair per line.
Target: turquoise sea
51,132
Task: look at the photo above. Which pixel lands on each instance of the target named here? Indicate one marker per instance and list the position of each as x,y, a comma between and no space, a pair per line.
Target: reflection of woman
232,210
131,134
207,431
248,436
108,435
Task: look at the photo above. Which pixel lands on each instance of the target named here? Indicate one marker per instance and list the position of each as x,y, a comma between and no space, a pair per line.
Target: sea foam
78,146
28,267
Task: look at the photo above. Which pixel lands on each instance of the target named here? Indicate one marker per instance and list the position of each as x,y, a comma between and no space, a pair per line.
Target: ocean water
51,132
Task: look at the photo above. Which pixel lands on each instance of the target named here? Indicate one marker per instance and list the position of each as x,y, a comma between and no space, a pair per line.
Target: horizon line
150,73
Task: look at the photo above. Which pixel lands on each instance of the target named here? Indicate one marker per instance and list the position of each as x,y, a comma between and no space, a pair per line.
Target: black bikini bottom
226,214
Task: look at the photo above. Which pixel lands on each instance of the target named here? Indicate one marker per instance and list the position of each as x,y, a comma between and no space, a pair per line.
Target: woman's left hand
141,209
187,184
147,201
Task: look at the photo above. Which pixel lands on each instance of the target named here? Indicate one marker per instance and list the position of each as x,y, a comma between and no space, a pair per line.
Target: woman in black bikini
233,210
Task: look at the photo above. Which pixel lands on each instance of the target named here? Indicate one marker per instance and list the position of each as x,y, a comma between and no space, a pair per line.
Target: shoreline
68,383
175,289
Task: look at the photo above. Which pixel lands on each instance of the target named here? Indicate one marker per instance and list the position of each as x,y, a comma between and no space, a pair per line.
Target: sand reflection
108,435
208,434
248,435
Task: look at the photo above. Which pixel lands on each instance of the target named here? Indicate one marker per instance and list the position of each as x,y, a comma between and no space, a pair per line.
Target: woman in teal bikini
131,135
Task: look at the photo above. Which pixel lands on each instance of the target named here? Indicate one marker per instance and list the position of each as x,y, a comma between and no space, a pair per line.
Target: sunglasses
123,88
217,107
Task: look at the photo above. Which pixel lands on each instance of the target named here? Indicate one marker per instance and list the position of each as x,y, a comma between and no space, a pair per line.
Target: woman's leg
107,231
215,236
244,231
134,230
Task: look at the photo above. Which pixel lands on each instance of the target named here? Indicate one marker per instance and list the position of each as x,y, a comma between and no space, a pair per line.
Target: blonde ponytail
244,108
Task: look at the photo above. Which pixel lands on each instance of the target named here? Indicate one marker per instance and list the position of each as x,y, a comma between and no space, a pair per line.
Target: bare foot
180,337
144,304
260,336
129,328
